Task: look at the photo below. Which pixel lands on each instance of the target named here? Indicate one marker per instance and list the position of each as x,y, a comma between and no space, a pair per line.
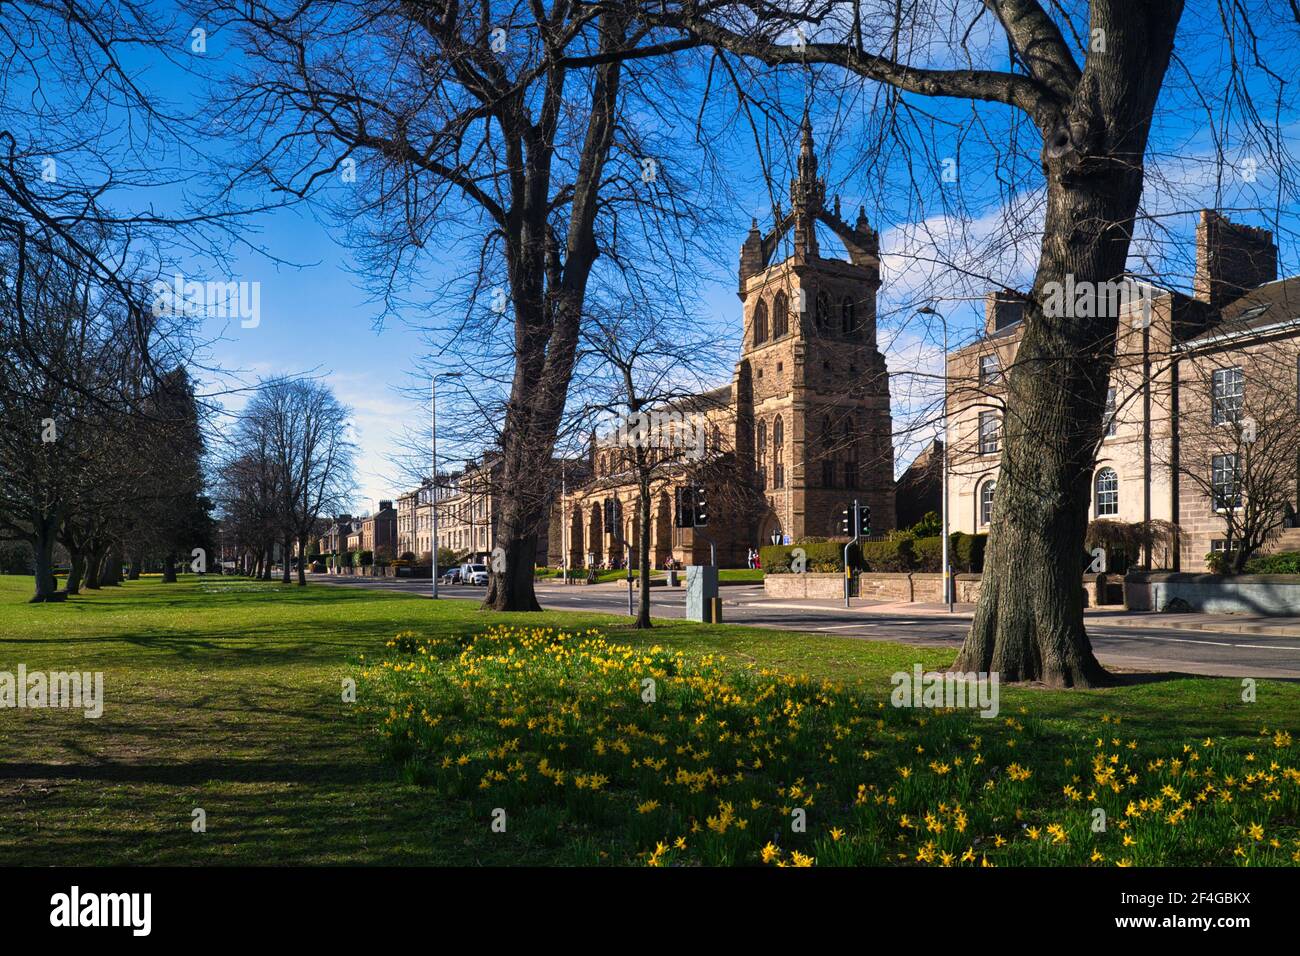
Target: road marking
840,627
1182,640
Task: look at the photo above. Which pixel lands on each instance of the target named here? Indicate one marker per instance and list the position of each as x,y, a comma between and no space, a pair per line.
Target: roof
1272,307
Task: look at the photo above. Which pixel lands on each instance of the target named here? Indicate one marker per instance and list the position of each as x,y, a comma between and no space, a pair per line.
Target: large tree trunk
94,564
169,568
43,554
77,572
286,572
1029,621
302,561
134,573
110,572
512,590
643,558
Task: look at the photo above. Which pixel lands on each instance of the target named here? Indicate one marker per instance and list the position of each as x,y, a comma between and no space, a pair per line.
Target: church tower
811,387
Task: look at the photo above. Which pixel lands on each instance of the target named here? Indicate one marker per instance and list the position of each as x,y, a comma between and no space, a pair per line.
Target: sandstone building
1189,373
801,430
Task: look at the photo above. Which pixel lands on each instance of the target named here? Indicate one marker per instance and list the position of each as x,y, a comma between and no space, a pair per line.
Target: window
1110,411
822,315
780,316
1226,393
828,454
760,322
848,322
986,502
850,458
778,454
1225,482
990,373
760,452
1106,493
988,433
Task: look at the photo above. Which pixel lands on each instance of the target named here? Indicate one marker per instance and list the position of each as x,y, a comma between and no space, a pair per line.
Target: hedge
898,553
1283,562
823,556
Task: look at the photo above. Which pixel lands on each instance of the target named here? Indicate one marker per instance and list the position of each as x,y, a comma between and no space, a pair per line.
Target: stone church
802,429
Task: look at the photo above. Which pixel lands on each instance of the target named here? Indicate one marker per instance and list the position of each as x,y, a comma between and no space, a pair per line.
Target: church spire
807,194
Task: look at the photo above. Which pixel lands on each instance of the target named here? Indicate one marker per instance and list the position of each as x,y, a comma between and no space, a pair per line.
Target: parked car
474,574
450,576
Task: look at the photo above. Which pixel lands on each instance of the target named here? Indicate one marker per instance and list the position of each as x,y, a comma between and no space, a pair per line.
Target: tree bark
169,568
76,572
110,572
43,553
134,573
1028,623
94,564
286,573
302,561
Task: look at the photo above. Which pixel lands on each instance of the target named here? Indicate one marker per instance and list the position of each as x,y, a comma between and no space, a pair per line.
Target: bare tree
306,431
506,131
652,372
1088,79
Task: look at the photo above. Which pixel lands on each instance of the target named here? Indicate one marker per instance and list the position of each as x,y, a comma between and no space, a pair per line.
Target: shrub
408,557
929,553
1283,562
891,555
930,526
967,552
824,555
1221,562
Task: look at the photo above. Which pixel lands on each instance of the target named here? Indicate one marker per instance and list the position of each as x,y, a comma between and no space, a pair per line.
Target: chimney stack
1231,259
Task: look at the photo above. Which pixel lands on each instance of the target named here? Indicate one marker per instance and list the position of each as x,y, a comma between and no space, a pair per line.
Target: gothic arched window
848,321
780,315
828,454
760,322
760,453
778,454
850,457
822,315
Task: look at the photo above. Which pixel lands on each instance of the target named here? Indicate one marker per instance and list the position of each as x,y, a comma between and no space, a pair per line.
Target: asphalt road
1162,650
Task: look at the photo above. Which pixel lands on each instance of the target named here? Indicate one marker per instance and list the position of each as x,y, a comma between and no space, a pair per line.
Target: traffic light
684,512
864,521
701,507
846,523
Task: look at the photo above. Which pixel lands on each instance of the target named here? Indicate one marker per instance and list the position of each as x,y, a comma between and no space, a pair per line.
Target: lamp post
433,495
947,584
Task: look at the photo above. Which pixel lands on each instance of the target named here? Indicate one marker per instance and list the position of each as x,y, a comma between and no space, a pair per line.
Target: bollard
715,610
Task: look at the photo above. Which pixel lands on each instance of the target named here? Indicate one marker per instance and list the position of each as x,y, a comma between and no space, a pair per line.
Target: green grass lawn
226,696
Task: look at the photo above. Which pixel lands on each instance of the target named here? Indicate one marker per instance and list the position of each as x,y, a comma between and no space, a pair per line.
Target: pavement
1224,645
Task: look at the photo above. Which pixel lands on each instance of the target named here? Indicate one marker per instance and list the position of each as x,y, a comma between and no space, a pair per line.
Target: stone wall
804,585
1267,594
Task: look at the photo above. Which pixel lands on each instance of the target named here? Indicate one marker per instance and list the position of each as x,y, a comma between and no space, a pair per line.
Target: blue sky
319,319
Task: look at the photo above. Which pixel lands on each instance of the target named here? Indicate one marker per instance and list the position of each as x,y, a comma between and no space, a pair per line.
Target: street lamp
947,585
433,507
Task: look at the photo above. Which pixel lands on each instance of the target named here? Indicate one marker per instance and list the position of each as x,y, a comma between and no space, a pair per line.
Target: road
1122,648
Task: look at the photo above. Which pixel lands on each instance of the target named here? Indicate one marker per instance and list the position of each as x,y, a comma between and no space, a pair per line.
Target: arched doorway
576,552
661,530
595,537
